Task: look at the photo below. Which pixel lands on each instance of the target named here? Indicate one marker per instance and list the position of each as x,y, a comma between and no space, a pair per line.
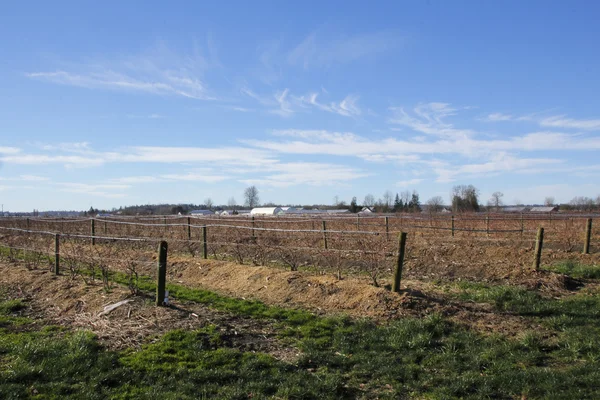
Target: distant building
366,210
339,211
544,209
515,209
201,212
266,211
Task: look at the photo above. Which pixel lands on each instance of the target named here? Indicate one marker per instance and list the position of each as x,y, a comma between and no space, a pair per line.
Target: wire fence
457,246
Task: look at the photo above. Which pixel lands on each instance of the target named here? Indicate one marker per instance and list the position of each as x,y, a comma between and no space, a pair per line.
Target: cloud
346,107
100,190
428,118
159,72
560,121
494,117
9,150
409,182
500,164
319,49
305,173
195,177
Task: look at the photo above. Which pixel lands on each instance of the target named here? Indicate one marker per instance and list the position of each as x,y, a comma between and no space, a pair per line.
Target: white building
266,211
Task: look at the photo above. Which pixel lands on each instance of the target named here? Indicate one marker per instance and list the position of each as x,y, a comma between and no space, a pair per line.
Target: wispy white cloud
494,117
561,121
26,178
320,49
409,182
428,118
347,107
159,71
500,163
9,150
101,190
304,173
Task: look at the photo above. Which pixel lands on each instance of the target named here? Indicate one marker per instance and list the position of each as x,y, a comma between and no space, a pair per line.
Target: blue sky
117,103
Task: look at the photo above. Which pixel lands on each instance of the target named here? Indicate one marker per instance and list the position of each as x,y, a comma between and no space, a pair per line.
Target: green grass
429,357
576,270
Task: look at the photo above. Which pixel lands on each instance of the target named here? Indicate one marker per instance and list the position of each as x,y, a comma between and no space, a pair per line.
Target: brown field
481,247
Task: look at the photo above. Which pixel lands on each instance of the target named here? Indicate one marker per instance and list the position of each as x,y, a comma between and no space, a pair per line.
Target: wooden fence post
588,236
453,225
399,263
56,254
253,227
204,243
189,228
27,223
105,226
162,273
522,225
324,234
93,231
358,222
387,228
487,225
539,243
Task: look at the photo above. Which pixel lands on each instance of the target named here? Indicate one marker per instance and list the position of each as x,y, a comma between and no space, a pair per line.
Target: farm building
516,209
544,209
266,211
366,210
201,212
340,211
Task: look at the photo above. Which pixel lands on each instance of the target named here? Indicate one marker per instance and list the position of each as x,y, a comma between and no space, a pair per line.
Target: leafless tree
435,204
496,200
369,200
251,198
549,201
388,199
208,202
231,202
336,200
405,197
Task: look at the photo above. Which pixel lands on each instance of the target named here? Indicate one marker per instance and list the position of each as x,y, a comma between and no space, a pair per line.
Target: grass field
431,356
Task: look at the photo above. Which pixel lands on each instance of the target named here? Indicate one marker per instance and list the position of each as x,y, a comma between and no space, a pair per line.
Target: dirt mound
75,303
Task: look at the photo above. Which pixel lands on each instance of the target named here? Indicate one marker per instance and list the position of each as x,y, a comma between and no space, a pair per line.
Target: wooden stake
324,235
452,225
93,231
588,236
387,228
539,243
189,228
56,254
162,273
204,243
399,263
487,225
253,227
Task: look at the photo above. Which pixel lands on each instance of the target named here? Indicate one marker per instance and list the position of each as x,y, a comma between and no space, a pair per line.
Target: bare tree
549,201
435,204
208,202
231,202
336,200
405,197
388,199
251,198
496,200
369,200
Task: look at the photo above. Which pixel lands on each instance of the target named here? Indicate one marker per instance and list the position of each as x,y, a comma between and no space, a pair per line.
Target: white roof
265,211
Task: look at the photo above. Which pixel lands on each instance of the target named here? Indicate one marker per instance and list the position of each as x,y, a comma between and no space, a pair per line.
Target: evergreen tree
415,204
353,205
397,204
